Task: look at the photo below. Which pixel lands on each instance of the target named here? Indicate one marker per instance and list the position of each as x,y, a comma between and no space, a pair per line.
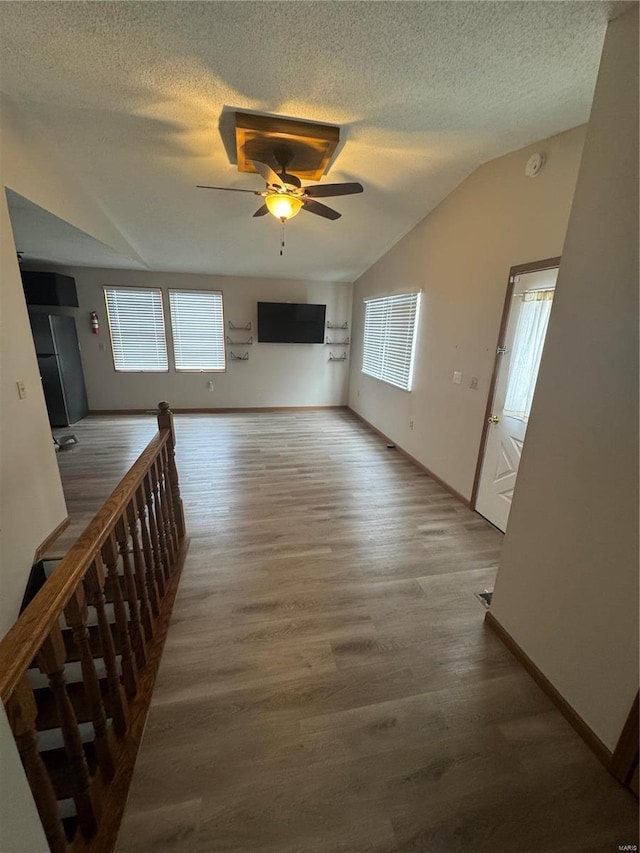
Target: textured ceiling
131,96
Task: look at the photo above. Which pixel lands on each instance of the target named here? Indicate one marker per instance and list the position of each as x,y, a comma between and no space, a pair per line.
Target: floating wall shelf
344,325
239,343
246,328
333,357
234,357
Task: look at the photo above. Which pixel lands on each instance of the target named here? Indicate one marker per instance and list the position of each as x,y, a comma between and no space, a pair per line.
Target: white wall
20,827
31,506
567,588
31,499
460,255
31,169
274,375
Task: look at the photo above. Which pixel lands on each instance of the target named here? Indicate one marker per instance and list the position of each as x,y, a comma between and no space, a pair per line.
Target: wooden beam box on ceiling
310,146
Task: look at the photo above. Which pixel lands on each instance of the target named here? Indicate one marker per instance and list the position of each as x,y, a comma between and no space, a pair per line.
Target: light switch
474,383
22,389
457,377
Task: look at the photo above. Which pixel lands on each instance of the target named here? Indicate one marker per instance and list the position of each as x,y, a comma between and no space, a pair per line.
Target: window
198,329
389,338
136,323
531,330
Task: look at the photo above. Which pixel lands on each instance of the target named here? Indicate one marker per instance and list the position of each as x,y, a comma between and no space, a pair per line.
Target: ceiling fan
285,197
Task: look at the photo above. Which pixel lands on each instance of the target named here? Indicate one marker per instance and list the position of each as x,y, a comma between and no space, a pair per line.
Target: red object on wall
95,323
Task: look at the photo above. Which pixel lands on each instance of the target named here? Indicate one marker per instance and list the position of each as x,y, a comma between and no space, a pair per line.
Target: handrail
23,640
129,555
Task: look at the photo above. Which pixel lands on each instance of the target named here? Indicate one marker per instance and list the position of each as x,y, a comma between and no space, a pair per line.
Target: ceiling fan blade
328,190
227,189
267,173
262,211
320,209
294,180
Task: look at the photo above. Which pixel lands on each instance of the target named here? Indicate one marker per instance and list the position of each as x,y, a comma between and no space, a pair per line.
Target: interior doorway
523,331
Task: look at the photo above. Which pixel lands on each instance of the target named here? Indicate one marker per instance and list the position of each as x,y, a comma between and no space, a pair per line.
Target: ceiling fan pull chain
282,239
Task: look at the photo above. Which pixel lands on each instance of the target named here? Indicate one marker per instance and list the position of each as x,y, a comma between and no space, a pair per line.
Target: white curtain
527,352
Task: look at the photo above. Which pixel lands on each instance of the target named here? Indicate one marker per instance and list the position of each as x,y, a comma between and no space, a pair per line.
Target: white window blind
198,329
389,338
136,323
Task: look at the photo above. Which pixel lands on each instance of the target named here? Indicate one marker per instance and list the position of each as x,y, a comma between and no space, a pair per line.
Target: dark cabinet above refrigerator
49,288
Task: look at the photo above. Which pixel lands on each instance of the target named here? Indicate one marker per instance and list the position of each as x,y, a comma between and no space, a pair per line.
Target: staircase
50,735
78,666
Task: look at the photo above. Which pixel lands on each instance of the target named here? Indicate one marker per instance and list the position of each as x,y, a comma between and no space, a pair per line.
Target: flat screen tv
290,323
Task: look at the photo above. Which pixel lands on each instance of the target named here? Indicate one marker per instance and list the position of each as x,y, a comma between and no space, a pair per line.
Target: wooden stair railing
108,600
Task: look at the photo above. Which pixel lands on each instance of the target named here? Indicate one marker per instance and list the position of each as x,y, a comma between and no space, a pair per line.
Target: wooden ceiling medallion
307,146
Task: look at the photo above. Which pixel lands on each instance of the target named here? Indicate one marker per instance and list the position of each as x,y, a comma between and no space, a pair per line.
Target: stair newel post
154,536
138,566
155,585
158,514
167,491
165,421
135,625
22,712
164,507
94,582
129,668
51,661
76,617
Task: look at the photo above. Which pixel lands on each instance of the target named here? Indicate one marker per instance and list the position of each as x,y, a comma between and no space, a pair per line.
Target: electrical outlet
22,389
410,424
474,383
101,347
457,377
210,385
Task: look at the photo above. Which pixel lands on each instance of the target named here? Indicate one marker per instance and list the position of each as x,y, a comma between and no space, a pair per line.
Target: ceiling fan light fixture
283,206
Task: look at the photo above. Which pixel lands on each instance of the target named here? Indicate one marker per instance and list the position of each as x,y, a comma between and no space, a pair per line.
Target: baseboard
43,547
625,755
413,459
215,411
588,736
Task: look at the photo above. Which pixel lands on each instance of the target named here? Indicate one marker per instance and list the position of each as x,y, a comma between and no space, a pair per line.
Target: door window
526,354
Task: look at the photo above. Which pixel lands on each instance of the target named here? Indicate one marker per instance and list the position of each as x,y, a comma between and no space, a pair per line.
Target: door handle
493,419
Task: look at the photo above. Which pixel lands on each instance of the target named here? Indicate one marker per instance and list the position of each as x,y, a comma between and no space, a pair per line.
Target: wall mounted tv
290,323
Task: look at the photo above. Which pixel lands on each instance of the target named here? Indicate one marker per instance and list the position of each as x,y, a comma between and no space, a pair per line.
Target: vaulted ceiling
135,98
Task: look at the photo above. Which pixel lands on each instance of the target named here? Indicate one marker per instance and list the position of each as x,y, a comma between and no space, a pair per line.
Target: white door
513,394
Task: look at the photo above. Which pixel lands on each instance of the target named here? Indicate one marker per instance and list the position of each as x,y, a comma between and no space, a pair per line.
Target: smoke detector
535,164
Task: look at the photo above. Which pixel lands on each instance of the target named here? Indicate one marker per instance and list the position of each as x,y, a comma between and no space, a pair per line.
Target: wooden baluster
165,421
164,508
22,712
94,585
76,616
129,669
155,538
138,565
51,660
170,508
135,625
152,479
155,579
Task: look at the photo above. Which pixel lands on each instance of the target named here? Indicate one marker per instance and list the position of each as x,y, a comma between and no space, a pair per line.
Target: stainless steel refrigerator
58,352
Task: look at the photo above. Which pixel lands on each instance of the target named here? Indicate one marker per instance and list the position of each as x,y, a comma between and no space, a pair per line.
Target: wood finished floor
327,683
